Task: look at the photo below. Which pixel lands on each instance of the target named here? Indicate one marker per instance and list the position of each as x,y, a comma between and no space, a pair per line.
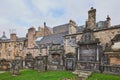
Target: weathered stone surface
29,61
14,68
4,65
83,75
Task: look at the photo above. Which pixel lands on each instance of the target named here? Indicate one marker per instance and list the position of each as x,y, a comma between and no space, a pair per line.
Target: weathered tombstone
69,61
35,63
14,68
19,61
40,63
29,61
69,64
55,57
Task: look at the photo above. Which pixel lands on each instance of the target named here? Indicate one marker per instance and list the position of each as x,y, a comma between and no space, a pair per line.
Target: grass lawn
34,75
99,76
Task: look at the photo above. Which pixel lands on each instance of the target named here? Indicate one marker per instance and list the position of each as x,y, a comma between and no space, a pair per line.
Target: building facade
91,42
9,48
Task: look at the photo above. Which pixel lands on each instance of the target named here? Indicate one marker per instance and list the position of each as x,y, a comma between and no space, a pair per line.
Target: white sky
19,15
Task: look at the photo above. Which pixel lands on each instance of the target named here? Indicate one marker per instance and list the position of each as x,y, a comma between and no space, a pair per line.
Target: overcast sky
19,15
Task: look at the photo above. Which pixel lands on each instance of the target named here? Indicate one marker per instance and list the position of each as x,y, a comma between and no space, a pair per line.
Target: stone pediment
88,37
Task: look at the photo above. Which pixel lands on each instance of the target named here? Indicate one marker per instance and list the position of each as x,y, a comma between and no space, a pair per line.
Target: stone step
82,74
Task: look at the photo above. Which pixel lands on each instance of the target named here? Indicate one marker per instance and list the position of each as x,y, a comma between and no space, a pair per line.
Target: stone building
53,47
34,36
9,48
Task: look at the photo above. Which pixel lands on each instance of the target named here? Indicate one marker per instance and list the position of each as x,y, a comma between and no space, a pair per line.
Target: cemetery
67,52
38,68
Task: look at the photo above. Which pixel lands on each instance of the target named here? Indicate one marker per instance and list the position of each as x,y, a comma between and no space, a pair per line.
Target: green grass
99,76
34,75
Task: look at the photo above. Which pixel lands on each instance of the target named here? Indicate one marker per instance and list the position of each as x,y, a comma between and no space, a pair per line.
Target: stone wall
114,61
33,51
10,49
69,48
104,35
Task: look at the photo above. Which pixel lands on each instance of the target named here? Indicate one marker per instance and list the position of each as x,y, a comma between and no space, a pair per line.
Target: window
99,24
67,42
73,41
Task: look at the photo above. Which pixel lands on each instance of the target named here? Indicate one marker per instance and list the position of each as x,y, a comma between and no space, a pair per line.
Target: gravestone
40,63
69,61
29,61
19,61
14,68
35,63
69,64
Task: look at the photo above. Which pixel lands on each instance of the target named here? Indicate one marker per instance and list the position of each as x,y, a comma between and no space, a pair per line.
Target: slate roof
53,38
21,39
80,28
5,40
18,39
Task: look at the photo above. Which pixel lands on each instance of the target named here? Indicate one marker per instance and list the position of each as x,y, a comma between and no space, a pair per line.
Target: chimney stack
72,27
91,18
13,37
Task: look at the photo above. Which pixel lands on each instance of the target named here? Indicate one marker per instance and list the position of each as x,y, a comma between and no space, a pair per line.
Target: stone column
97,52
78,54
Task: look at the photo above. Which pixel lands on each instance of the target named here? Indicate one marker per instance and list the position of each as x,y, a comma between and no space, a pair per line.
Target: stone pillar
72,27
97,52
78,54
13,37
